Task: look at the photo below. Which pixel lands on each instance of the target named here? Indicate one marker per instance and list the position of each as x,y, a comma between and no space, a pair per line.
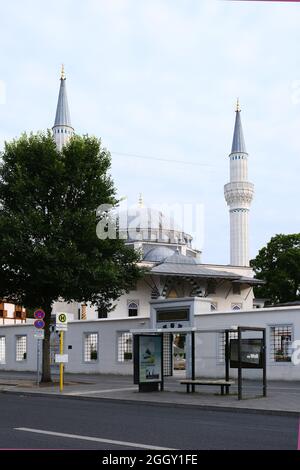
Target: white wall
225,297
107,361
107,330
10,332
207,364
207,344
142,294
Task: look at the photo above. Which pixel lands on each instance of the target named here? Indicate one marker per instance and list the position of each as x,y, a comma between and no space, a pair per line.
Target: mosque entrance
179,355
174,354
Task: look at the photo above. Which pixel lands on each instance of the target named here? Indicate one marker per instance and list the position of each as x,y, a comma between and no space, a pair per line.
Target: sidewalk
283,397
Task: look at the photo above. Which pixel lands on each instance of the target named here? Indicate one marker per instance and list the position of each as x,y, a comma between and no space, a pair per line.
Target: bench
215,383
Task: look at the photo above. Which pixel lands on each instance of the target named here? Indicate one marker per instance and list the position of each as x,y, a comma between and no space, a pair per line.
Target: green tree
279,265
49,249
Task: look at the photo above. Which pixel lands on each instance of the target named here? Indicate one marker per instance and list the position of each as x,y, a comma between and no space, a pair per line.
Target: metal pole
38,362
193,358
240,392
264,364
227,360
61,366
162,363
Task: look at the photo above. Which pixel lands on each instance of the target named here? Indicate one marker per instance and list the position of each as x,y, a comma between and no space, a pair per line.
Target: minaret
62,129
239,194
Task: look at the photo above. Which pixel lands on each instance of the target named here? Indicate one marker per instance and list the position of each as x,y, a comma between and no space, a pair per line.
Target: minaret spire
238,142
238,195
62,129
62,74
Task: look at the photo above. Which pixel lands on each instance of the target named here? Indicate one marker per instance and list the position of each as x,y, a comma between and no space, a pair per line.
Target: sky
160,79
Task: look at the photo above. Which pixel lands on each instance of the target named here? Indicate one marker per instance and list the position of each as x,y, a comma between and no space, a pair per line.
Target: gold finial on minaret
63,75
141,201
238,108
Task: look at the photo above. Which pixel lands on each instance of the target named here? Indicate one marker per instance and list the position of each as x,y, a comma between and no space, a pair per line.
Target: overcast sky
159,78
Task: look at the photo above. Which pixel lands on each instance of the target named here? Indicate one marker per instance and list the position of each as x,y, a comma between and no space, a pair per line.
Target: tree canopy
279,265
49,249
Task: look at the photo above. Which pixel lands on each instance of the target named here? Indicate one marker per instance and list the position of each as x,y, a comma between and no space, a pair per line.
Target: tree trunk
46,370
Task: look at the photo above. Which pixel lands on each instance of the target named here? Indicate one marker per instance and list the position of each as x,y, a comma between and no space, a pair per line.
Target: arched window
133,309
236,306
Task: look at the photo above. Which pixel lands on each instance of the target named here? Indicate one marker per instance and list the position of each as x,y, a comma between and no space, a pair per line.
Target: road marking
90,392
94,439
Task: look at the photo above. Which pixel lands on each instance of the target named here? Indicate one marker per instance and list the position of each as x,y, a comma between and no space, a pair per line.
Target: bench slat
207,382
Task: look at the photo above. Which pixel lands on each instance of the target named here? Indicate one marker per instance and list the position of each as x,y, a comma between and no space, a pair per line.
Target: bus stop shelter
245,348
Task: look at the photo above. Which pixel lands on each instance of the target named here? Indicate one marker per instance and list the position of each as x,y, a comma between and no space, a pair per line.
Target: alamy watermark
171,223
296,352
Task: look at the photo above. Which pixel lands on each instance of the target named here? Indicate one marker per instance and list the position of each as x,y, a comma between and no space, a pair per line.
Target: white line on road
90,392
94,439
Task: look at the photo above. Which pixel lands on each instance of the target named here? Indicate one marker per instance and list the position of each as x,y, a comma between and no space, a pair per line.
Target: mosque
177,291
174,267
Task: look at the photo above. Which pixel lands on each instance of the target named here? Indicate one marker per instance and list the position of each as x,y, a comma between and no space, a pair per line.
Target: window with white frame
221,345
133,308
125,348
90,347
21,348
281,338
2,349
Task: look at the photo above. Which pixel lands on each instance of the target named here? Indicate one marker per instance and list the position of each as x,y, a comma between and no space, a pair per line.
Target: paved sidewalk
283,397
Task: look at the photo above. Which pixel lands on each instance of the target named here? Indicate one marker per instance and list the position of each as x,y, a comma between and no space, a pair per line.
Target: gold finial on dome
238,108
141,201
63,75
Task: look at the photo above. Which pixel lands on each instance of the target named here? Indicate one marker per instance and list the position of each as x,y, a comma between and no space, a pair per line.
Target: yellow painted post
61,365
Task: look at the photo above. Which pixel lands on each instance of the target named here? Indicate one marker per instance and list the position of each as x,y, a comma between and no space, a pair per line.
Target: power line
161,159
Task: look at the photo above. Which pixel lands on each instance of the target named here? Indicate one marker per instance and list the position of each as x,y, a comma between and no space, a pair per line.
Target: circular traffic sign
62,318
39,314
39,324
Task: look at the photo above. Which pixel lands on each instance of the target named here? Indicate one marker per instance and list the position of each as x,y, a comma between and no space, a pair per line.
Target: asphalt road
99,424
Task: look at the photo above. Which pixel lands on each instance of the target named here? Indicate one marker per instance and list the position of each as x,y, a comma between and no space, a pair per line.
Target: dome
146,218
149,224
158,254
178,258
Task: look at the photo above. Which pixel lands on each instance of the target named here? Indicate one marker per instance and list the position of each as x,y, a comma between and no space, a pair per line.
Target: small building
11,314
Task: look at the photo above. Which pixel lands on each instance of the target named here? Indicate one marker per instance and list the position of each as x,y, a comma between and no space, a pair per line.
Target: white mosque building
174,266
177,290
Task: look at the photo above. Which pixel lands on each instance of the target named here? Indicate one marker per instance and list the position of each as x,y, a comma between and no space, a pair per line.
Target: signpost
39,334
61,358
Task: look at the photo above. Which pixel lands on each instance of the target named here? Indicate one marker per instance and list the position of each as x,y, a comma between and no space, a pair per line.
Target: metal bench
221,383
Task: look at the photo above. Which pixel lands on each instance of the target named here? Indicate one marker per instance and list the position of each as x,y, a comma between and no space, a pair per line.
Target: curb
230,409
